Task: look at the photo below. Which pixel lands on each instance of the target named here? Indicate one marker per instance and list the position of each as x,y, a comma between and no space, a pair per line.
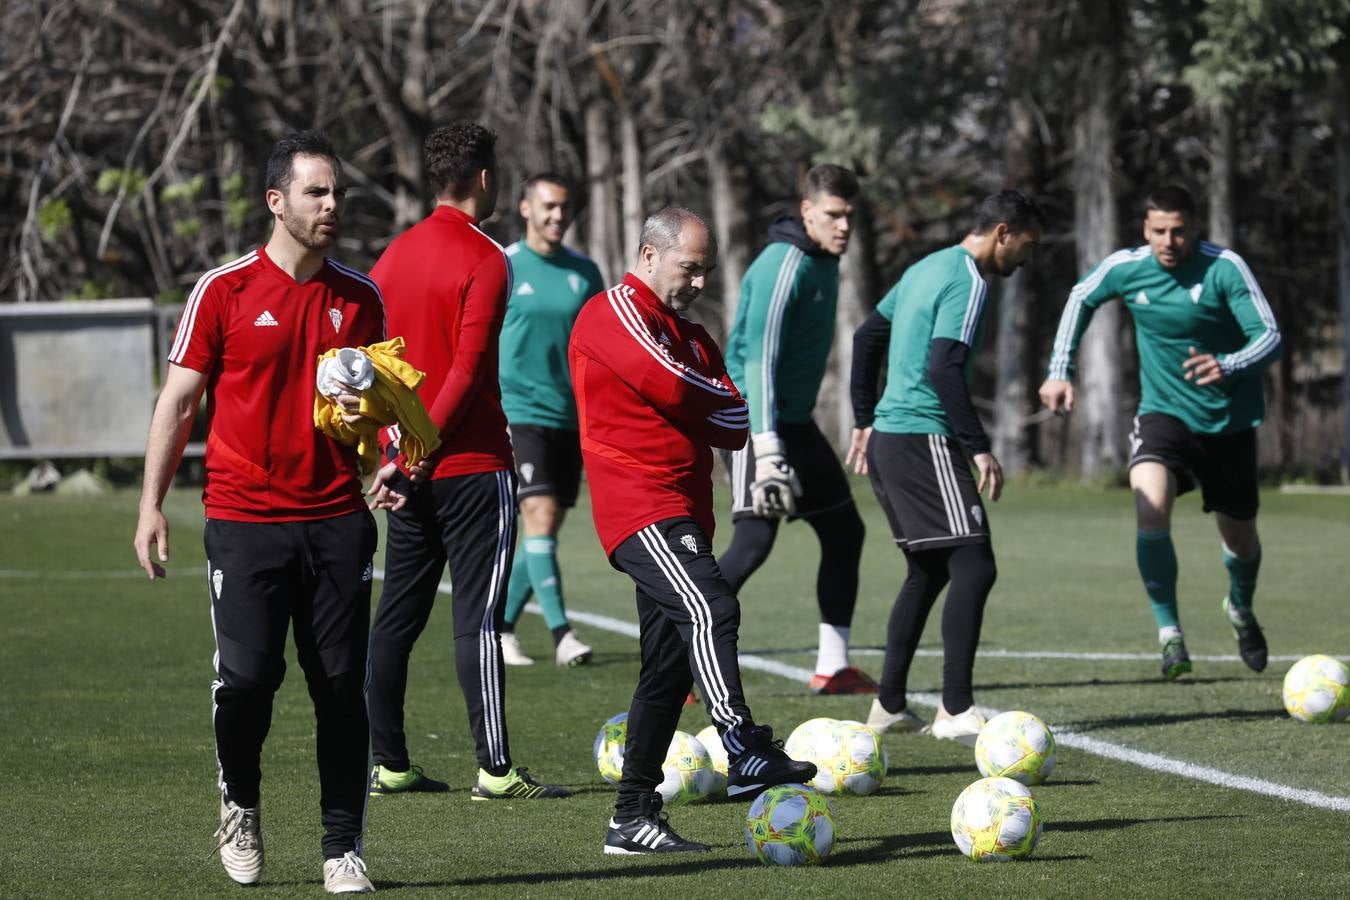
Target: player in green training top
776,354
913,446
549,285
1205,333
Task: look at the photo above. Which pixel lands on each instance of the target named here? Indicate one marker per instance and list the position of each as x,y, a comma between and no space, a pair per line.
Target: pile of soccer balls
996,819
691,771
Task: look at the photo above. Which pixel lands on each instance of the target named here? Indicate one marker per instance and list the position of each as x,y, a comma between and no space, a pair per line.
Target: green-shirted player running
913,445
776,355
549,285
1205,333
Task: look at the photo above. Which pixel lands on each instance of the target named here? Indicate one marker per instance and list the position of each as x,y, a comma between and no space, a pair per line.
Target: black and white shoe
647,834
763,764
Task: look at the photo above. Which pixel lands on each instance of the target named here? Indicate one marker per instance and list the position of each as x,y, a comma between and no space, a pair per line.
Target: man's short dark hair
1013,208
827,178
284,152
457,152
545,178
1170,198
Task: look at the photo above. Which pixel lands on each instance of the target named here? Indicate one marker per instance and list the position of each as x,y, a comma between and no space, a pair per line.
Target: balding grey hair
662,228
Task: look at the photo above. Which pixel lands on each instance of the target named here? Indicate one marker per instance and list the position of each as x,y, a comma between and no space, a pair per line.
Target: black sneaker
647,834
1251,640
763,764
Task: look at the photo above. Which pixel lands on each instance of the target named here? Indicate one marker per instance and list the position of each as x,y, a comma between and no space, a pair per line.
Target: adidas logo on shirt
265,319
525,289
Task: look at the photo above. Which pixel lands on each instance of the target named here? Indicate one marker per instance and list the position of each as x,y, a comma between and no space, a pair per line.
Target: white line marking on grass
1154,761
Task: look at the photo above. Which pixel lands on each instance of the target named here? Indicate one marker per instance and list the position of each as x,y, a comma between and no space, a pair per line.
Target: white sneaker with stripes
647,834
512,655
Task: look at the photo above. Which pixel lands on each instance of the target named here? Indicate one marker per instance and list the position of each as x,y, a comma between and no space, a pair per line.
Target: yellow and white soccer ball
608,747
712,742
1317,690
849,756
687,772
790,825
996,820
1016,745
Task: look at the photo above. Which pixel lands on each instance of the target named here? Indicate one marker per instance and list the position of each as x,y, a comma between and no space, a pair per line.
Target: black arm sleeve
946,362
870,342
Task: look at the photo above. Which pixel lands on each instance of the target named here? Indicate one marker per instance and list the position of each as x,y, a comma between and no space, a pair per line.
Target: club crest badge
527,472
1195,293
978,514
690,543
336,316
217,577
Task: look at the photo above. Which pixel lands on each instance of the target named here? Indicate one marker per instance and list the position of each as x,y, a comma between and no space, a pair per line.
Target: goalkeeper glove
775,490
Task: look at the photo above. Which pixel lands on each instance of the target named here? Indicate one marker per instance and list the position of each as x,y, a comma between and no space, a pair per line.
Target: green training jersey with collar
784,328
547,294
1210,302
940,296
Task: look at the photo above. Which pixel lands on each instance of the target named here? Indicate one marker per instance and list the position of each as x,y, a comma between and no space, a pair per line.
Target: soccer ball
1316,691
995,820
790,825
608,747
1016,745
688,772
712,742
849,756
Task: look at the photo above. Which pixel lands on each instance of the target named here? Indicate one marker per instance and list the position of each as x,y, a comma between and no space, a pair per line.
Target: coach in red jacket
652,396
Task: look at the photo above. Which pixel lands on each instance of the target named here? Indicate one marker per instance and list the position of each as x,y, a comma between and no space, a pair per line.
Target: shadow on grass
902,771
1112,824
1109,682
1229,715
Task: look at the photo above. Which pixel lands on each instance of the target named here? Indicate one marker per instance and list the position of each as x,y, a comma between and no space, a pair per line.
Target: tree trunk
602,226
1341,108
632,179
1011,435
1223,147
731,225
1012,388
1096,234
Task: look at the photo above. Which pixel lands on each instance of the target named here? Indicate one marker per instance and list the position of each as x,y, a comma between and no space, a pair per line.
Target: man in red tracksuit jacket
652,396
448,283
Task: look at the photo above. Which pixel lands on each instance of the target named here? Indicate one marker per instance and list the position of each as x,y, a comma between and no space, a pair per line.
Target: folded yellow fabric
392,399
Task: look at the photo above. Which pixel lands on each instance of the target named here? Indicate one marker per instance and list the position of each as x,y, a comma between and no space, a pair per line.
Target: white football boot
346,875
964,728
902,722
571,651
241,846
512,655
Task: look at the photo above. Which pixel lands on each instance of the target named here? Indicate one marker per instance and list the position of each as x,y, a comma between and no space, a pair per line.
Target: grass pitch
109,771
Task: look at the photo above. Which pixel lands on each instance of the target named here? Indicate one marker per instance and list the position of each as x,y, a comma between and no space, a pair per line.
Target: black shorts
267,576
548,461
1224,464
926,490
824,484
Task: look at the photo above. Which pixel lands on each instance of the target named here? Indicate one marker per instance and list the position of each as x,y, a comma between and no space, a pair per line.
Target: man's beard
307,236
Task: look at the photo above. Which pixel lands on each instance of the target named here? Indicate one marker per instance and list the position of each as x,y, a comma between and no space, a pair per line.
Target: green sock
1157,560
541,559
1242,577
517,589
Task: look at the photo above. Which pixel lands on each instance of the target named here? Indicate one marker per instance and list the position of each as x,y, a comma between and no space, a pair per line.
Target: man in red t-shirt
653,397
446,283
288,536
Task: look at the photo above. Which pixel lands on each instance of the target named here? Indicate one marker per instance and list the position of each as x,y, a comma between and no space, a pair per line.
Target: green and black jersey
547,294
941,297
1210,302
784,327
